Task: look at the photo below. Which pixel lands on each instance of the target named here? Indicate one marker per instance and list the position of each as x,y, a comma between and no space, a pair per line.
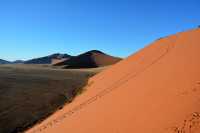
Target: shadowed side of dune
91,59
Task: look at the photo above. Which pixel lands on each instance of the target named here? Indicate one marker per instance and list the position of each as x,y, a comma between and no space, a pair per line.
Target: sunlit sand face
155,90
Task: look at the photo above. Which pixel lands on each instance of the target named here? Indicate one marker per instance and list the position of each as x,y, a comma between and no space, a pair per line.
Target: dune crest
156,90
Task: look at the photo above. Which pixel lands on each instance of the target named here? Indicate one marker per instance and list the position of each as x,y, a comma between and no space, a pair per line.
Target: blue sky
34,28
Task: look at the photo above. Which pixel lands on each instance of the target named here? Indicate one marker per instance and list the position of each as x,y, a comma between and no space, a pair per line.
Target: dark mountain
90,59
47,59
4,62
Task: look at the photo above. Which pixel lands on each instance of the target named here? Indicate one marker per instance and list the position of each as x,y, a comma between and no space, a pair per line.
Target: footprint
188,125
194,89
184,93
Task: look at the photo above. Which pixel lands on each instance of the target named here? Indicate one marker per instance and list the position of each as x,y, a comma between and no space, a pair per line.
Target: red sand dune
156,90
90,59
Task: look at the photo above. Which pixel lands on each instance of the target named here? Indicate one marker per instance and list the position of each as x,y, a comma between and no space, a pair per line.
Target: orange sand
56,61
156,90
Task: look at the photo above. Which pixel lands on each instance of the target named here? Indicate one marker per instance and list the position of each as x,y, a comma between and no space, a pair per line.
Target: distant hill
90,59
46,59
18,62
4,62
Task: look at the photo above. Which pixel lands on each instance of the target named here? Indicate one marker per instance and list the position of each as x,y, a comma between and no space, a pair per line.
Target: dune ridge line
109,89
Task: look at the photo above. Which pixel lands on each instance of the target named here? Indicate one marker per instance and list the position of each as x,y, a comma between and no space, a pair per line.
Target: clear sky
34,28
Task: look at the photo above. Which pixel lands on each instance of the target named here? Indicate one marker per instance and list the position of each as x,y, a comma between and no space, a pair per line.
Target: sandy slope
156,90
